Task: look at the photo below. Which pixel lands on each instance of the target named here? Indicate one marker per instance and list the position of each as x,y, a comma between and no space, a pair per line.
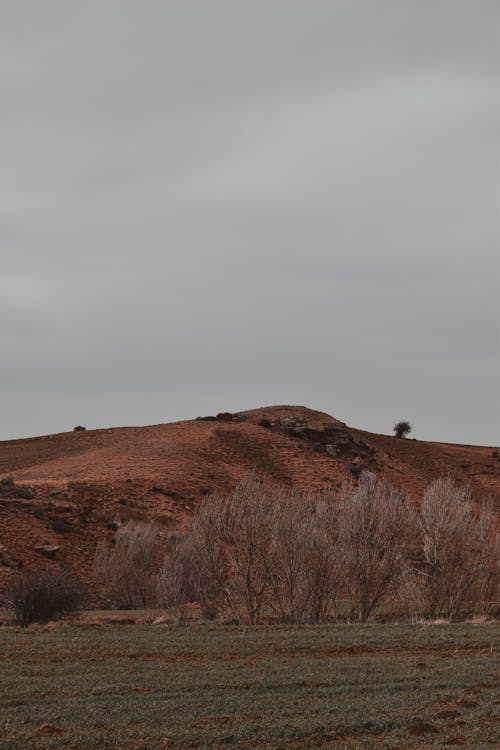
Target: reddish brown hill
70,490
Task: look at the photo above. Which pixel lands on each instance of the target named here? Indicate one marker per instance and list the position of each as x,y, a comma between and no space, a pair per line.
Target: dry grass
142,686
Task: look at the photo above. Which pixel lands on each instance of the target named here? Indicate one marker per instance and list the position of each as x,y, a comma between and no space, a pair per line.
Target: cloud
211,206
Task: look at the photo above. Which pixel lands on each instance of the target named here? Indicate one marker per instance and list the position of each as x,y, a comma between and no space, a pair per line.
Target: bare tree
322,569
246,536
126,570
207,536
230,542
460,551
290,521
185,576
375,523
488,593
264,547
303,544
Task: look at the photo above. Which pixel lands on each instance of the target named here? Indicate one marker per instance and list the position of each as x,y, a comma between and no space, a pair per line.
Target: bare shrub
262,549
180,580
489,582
322,556
266,549
43,595
206,537
126,571
374,528
243,533
460,566
302,555
289,523
229,540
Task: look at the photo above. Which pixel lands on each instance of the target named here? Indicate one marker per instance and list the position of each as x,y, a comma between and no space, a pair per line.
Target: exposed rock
356,466
8,559
13,502
331,450
292,424
25,492
224,416
49,550
8,488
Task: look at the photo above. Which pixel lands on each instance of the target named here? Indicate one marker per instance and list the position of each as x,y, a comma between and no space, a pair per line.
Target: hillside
61,494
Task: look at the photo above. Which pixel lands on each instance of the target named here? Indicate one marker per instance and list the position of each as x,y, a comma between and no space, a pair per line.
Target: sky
216,206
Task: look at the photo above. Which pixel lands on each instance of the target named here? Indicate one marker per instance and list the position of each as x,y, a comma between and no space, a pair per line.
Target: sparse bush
270,550
179,581
263,548
402,429
79,428
232,536
460,566
127,570
303,581
224,558
43,595
375,525
488,592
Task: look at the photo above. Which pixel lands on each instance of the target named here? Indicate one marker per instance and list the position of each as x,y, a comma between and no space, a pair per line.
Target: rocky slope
61,494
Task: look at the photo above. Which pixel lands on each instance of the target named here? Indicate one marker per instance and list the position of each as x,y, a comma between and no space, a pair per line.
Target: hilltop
61,494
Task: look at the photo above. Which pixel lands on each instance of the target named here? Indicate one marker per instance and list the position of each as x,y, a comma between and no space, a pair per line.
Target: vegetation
268,551
144,686
402,429
43,595
125,569
460,551
375,529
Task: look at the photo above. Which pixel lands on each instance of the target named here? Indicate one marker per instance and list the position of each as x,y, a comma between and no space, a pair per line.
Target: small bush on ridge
402,429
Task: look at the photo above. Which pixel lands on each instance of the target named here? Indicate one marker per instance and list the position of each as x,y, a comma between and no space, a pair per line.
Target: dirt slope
70,490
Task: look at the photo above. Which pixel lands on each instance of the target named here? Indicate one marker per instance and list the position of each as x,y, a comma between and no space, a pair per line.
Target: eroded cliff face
60,495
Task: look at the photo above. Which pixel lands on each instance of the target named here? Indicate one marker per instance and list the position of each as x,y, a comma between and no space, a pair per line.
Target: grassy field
143,686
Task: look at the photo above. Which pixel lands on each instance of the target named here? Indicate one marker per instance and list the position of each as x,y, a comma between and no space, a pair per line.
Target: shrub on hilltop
402,429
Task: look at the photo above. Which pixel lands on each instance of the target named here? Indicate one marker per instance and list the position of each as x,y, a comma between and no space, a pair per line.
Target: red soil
83,481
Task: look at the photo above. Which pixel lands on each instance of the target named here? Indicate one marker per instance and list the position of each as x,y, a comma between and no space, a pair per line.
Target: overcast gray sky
218,205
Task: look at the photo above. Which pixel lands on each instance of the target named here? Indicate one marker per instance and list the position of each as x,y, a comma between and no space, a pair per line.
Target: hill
62,494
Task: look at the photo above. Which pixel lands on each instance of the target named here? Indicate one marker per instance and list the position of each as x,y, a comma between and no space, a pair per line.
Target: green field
195,686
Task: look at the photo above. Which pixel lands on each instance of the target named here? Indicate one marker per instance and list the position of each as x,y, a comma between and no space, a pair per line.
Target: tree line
270,552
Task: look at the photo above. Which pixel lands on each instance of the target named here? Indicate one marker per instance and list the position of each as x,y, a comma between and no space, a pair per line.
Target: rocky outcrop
329,436
48,550
8,488
9,560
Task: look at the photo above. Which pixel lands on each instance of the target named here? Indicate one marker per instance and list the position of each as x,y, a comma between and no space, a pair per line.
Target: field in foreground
143,686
